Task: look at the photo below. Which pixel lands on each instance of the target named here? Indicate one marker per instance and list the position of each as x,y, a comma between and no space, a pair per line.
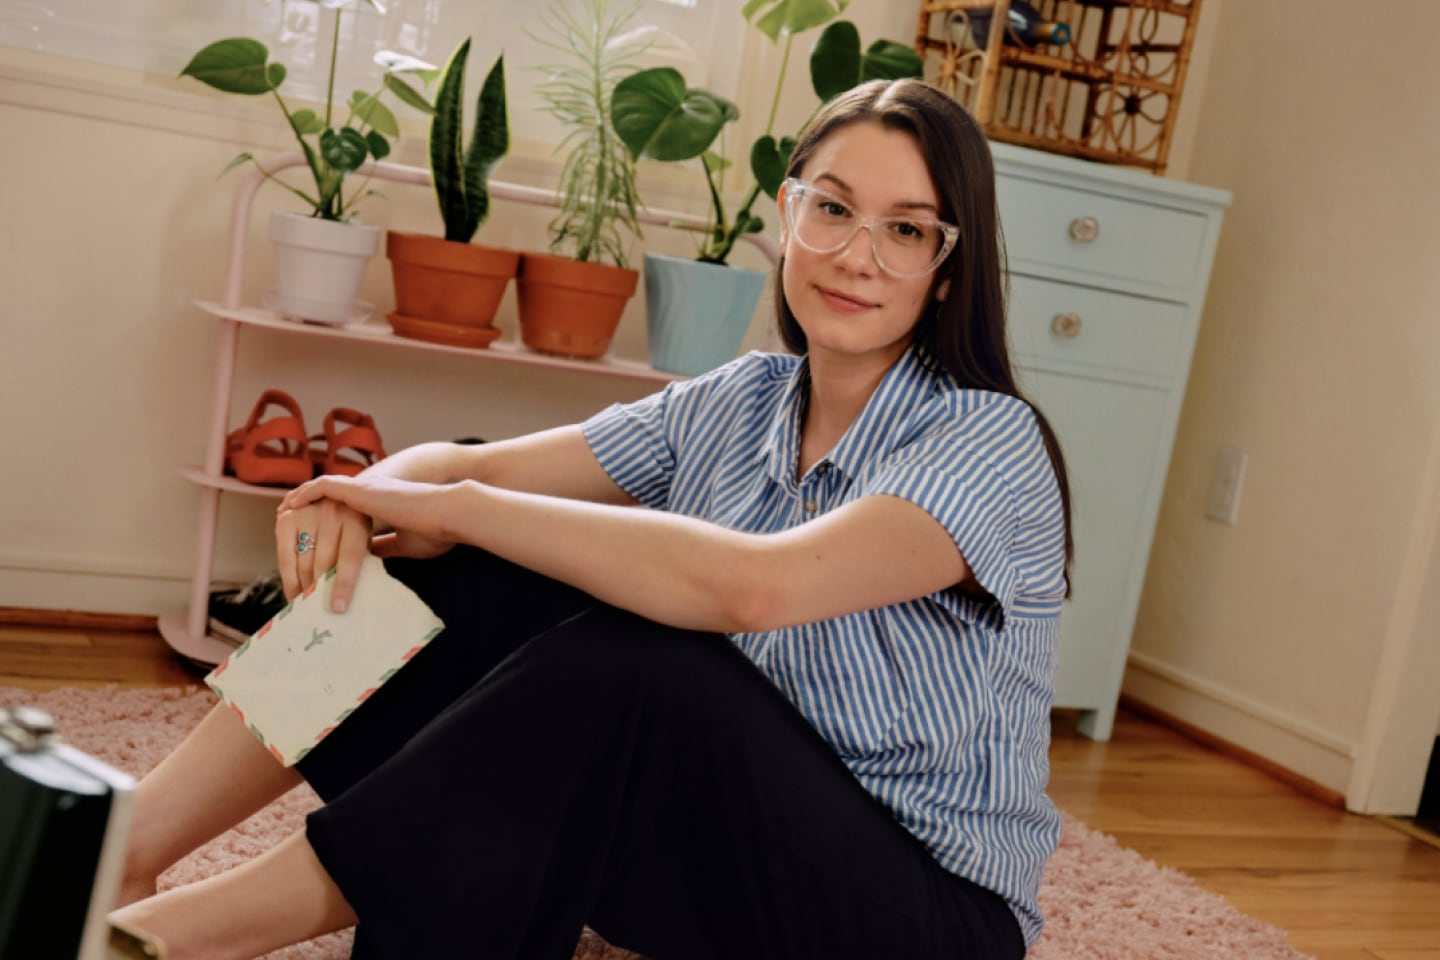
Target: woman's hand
336,516
310,540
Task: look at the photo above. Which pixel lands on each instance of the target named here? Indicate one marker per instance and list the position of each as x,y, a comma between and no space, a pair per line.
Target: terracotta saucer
433,332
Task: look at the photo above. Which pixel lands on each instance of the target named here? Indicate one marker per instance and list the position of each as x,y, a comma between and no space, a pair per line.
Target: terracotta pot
447,282
569,307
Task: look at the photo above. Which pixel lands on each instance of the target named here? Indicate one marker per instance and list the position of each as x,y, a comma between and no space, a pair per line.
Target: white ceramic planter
319,265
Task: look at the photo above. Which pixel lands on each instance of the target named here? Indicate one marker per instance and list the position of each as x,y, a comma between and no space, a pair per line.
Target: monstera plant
659,117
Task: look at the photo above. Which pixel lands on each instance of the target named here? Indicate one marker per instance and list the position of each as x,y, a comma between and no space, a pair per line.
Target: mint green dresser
1108,272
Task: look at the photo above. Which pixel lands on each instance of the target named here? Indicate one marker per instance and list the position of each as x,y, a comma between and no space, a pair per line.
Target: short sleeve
642,444
964,474
630,442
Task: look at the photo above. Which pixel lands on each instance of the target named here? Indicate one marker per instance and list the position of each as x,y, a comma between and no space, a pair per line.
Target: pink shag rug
1100,900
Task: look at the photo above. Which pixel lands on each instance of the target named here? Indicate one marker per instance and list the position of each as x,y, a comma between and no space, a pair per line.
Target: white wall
1318,356
114,222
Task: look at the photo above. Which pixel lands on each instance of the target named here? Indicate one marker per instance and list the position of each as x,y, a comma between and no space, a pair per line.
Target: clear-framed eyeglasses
903,246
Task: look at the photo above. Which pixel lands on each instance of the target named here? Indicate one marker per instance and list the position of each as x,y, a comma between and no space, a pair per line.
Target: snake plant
461,174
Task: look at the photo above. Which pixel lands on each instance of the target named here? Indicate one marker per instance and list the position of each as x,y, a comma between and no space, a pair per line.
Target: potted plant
697,311
320,256
446,288
571,300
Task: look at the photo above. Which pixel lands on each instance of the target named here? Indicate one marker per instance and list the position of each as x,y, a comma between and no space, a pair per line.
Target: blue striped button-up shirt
940,706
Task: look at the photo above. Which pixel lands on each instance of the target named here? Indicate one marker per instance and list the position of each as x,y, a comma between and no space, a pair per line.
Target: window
701,38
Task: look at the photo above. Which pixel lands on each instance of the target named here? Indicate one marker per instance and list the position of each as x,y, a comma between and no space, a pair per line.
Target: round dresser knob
1084,229
1066,325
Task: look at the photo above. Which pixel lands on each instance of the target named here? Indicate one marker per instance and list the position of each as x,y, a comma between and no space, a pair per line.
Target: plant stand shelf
501,351
186,630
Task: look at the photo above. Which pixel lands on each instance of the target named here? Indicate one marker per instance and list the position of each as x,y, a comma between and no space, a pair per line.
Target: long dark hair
964,333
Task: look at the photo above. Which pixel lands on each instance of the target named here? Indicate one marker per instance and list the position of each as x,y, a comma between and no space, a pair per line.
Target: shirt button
811,506
822,469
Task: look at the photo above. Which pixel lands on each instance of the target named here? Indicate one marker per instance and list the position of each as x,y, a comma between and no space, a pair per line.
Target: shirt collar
781,449
906,384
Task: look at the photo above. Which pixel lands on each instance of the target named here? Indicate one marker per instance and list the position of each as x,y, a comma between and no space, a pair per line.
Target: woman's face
848,306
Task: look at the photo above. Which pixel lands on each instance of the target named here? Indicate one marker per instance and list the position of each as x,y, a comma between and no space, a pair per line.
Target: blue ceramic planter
697,313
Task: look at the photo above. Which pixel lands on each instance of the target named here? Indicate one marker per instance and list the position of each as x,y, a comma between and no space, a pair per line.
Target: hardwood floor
1344,887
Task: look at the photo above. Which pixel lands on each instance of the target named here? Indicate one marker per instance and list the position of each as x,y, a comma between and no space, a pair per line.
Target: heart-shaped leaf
777,18
237,65
344,149
376,115
306,121
768,160
888,60
657,116
836,63
714,163
379,146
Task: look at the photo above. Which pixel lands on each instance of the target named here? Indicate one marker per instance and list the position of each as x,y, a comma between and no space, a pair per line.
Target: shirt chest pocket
845,678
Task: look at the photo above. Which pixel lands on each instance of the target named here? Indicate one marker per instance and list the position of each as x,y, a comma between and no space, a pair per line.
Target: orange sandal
271,453
360,437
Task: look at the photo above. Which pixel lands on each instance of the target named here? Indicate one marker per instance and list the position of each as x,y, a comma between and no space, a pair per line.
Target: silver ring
305,542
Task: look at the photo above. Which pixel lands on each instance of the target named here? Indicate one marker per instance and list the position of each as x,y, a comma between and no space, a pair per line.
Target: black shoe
236,614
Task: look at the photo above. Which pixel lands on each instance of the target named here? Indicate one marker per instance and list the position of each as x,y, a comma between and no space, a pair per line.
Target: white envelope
306,670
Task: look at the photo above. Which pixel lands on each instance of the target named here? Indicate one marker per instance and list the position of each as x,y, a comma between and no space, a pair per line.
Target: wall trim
1311,789
77,620
91,566
112,585
1243,704
1305,753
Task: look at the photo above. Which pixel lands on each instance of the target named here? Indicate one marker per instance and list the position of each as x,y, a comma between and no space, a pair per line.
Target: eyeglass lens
825,223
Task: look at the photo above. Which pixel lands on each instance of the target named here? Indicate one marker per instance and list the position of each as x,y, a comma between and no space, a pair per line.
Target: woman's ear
942,291
780,214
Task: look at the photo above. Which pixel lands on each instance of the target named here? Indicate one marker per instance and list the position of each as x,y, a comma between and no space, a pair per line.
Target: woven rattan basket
1110,94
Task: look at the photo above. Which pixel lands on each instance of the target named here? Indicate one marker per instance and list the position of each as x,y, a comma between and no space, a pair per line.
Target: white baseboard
97,586
91,592
1300,747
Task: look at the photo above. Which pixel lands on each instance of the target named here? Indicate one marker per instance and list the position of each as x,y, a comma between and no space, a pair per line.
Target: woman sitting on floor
799,708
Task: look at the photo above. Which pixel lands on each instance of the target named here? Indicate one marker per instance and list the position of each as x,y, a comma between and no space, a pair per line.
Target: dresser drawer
1093,331
1096,237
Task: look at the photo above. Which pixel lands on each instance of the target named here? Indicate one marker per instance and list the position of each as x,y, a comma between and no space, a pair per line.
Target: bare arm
556,463
677,570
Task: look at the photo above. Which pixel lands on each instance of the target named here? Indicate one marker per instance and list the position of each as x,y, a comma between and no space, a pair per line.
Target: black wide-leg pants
549,761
